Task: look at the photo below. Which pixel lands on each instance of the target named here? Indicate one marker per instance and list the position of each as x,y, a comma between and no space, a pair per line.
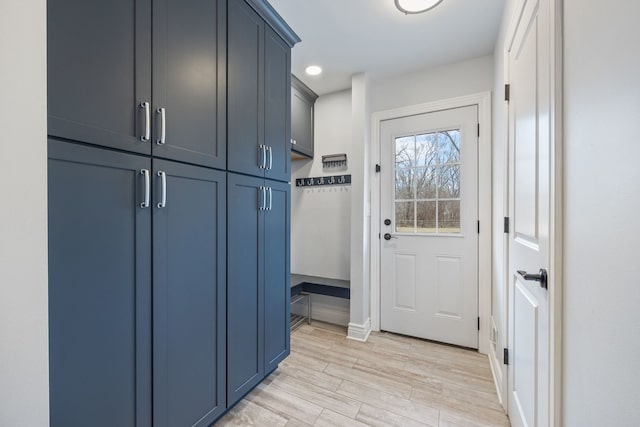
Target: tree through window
427,183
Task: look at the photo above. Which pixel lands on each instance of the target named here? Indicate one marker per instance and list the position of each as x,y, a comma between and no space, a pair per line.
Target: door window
427,183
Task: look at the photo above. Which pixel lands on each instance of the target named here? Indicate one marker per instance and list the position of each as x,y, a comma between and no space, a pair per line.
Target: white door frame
555,200
483,101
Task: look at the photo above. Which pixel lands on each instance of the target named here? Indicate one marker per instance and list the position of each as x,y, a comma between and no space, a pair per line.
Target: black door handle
540,277
388,236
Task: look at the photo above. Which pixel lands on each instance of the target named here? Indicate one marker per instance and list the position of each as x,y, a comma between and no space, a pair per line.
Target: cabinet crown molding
275,21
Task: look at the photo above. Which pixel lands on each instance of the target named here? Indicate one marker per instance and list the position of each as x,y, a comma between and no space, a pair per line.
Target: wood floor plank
329,418
408,408
376,417
284,403
247,413
376,381
319,396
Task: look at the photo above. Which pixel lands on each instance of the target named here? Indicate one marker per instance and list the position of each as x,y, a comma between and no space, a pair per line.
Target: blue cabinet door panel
99,288
245,289
245,97
189,48
99,71
277,274
189,265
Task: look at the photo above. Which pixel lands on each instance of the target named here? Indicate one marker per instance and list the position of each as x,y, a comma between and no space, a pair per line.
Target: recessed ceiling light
313,70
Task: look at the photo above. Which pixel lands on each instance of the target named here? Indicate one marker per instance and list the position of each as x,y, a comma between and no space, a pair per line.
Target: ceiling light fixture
416,6
313,70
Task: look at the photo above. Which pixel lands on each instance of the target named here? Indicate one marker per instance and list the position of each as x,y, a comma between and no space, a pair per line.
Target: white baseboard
359,332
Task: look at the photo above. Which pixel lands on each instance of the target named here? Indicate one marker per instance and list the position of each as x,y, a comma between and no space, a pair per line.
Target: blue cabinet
258,95
99,287
104,312
145,76
169,286
258,281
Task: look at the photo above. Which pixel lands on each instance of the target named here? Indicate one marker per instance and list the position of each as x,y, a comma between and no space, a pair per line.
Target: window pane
449,182
449,146
426,149
426,217
404,183
404,217
449,216
425,183
405,152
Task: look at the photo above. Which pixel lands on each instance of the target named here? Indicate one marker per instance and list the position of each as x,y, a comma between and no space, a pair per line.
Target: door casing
555,202
483,101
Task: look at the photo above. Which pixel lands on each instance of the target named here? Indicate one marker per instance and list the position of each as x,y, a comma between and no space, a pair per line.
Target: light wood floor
390,380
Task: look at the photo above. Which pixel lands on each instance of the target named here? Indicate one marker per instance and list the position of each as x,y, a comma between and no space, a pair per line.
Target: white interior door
529,210
429,230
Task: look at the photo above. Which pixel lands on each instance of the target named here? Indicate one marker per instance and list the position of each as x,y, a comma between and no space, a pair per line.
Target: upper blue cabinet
258,92
115,82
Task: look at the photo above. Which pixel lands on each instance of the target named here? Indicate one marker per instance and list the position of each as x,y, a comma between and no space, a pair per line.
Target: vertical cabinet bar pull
263,156
163,126
146,135
270,199
262,201
270,157
163,191
147,188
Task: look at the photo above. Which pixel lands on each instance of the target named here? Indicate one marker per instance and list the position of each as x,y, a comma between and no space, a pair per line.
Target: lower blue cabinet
258,292
168,288
137,283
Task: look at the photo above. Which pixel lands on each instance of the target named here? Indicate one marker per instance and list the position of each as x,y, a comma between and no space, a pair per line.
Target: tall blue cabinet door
245,81
99,71
189,272
245,285
277,126
99,288
277,273
189,81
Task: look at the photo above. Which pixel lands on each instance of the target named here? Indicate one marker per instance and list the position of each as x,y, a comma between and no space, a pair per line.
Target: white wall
602,198
24,357
434,84
321,216
360,317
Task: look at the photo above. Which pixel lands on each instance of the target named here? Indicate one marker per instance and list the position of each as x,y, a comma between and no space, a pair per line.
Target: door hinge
478,227
478,322
507,92
505,356
506,224
478,130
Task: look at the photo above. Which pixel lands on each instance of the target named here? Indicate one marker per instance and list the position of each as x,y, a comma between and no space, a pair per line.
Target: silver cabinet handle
147,188
263,207
163,194
146,136
270,157
163,126
263,153
270,199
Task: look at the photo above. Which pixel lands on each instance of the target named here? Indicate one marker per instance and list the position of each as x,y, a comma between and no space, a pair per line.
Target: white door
429,230
529,210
